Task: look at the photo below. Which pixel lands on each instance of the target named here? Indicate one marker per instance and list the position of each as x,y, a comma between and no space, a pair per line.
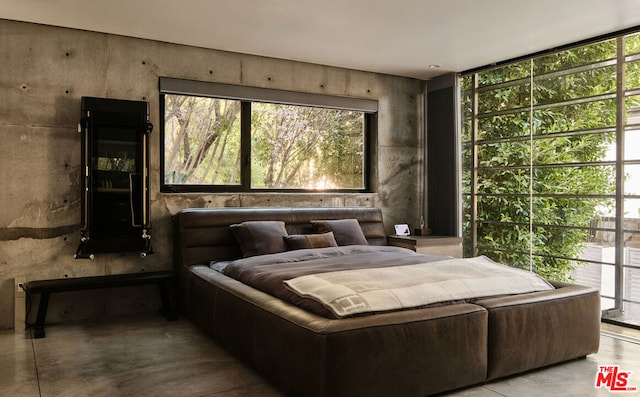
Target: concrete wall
46,70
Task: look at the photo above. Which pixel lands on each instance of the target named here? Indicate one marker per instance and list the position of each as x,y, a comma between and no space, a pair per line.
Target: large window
551,165
231,138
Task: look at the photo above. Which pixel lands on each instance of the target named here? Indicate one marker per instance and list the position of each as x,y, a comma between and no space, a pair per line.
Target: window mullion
245,145
531,158
474,165
620,120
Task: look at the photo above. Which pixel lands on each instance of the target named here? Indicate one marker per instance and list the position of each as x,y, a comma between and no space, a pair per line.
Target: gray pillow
345,231
260,237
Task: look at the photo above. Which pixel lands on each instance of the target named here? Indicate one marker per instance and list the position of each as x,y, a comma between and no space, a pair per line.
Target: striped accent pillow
303,241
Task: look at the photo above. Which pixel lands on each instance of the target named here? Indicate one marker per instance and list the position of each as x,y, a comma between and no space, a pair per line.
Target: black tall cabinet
115,179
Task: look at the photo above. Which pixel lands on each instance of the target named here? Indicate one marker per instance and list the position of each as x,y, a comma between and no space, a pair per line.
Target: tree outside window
291,146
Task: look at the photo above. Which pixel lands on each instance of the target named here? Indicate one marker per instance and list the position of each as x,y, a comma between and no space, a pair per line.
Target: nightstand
430,245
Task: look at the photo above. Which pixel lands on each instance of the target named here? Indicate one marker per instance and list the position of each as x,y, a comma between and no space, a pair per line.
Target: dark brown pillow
345,231
260,237
303,241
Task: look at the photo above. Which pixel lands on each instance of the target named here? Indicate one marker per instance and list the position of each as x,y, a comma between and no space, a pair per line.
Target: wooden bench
46,287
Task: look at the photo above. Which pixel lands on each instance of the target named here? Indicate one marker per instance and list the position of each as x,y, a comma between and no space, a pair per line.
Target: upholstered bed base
406,353
304,354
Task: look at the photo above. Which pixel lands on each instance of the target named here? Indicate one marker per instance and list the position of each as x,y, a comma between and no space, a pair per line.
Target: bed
313,351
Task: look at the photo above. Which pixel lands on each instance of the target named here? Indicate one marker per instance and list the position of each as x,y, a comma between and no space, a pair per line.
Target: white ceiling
401,37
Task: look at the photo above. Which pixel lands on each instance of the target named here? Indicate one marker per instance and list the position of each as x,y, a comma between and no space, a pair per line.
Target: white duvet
350,292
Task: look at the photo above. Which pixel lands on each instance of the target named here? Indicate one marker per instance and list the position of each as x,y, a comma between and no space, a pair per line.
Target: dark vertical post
442,156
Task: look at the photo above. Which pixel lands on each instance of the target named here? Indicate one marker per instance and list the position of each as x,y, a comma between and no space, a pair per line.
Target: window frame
246,95
471,142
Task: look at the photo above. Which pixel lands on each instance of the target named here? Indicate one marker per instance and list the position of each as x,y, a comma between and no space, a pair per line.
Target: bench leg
42,315
167,311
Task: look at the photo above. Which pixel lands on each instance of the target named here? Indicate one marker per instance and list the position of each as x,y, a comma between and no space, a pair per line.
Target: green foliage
575,57
539,122
297,147
515,71
202,140
305,147
632,44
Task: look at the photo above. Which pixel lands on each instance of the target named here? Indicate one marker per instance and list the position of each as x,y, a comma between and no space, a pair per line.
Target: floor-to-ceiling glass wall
629,281
551,167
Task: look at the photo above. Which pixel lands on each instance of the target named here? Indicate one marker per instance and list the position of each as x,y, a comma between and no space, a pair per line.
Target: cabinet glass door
115,187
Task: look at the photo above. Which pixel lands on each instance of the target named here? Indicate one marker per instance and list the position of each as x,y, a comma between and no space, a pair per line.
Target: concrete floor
148,356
